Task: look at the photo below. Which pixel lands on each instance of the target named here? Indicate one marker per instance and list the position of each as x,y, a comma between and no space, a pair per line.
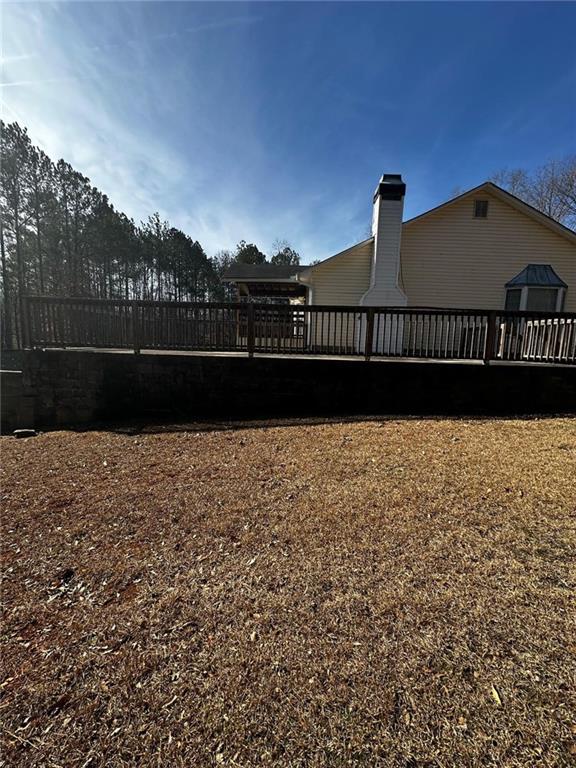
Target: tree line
60,235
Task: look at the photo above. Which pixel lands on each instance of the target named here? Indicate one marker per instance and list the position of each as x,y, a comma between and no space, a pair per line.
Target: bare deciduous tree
551,188
283,253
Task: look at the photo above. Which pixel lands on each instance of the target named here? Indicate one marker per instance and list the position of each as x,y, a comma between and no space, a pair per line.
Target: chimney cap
390,187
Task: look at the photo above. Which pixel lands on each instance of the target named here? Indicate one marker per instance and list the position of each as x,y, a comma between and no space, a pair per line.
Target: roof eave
306,272
260,279
509,198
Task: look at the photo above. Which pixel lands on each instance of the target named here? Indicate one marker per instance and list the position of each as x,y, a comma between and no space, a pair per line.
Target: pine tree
60,235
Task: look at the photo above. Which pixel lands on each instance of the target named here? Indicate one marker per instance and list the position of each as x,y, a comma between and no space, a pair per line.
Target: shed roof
537,274
268,272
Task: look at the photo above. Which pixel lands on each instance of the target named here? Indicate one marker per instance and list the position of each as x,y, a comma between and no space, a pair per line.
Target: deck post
490,336
369,333
135,328
250,326
25,313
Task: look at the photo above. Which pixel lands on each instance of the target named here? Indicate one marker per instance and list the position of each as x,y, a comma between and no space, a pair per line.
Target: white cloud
157,131
72,113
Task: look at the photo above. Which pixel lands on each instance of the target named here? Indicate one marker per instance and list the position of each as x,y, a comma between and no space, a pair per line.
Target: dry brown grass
388,593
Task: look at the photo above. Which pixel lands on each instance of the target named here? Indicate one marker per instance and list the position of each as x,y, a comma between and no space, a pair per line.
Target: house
485,249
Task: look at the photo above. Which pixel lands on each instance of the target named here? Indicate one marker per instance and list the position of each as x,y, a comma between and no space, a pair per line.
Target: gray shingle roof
262,271
537,274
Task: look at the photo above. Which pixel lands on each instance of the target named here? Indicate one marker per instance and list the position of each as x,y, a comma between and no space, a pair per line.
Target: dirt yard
379,593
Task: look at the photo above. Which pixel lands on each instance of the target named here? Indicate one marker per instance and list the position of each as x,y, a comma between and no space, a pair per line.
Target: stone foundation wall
68,388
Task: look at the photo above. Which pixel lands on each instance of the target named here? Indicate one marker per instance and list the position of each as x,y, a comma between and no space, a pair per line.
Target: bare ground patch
393,593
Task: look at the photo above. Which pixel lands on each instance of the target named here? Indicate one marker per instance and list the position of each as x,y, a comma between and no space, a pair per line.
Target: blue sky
262,120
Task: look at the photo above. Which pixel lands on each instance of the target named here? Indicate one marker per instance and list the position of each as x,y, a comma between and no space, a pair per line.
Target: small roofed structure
278,282
537,274
536,288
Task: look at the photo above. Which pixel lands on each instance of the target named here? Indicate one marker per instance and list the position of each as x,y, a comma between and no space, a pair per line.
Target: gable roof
510,199
287,273
493,189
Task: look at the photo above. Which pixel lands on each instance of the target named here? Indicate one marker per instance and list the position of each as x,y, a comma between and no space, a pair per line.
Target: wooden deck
352,333
323,357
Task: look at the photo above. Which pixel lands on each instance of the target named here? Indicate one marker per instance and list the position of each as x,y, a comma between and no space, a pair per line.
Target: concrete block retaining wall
67,388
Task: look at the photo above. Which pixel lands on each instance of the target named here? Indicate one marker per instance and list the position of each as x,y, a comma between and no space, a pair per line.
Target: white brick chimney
384,289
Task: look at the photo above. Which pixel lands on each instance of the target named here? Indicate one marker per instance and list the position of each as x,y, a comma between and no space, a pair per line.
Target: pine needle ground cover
393,593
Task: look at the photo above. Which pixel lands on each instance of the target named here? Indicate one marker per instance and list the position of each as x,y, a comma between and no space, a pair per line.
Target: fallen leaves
495,695
372,593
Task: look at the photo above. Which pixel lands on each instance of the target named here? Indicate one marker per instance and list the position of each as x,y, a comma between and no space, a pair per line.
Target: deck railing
361,332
